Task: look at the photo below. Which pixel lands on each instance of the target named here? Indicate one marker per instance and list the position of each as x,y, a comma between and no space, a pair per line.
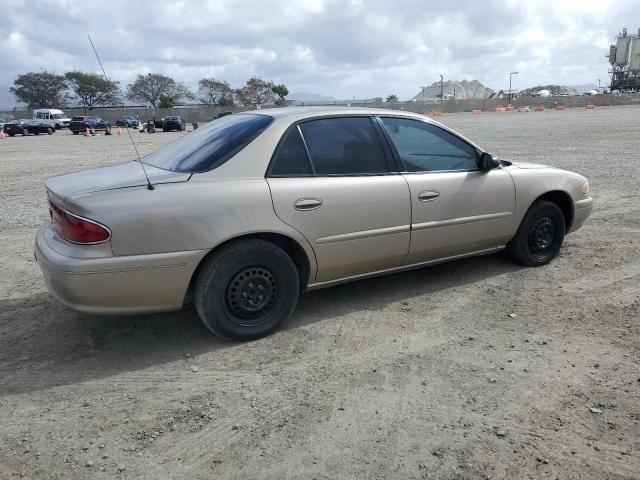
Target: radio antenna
144,170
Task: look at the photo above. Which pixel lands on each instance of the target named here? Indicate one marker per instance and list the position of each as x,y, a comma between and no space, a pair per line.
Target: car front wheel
25,132
539,236
49,131
246,290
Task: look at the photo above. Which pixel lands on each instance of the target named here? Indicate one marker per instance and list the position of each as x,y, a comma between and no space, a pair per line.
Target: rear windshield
209,147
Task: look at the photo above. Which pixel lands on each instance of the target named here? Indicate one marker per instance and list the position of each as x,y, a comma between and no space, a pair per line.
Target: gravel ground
474,369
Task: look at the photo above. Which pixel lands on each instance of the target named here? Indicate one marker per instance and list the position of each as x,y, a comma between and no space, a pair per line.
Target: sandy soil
475,369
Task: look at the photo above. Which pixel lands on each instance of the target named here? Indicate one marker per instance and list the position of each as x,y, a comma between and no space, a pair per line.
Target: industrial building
624,58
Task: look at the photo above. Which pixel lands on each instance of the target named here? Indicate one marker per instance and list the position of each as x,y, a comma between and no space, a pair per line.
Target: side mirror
488,161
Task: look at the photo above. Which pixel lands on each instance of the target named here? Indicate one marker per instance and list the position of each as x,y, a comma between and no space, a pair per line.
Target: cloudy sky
339,48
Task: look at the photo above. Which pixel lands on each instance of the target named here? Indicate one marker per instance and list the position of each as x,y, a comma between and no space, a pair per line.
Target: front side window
206,148
344,146
424,147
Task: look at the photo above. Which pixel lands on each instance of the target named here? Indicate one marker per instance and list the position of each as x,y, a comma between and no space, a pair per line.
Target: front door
456,207
333,180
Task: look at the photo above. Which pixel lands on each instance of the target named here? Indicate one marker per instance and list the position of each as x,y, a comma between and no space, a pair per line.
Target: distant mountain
310,97
586,87
7,100
553,90
453,88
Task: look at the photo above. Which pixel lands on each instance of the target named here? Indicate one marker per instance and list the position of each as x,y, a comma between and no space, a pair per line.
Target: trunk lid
124,175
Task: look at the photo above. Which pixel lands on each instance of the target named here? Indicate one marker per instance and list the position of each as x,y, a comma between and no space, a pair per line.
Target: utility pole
441,89
511,74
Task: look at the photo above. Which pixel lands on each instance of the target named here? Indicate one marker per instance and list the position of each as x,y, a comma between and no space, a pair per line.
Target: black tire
12,134
246,290
50,131
36,133
107,132
539,236
75,132
25,132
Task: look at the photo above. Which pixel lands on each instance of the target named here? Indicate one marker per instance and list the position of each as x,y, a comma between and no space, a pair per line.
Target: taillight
77,229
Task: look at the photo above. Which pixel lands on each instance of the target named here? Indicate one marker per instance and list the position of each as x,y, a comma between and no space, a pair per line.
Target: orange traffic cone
119,130
2,134
86,132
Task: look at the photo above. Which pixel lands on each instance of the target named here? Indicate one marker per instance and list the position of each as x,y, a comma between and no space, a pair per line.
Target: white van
55,118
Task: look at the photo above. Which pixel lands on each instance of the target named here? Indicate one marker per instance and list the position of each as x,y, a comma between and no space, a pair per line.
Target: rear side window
209,147
77,119
424,147
344,146
291,158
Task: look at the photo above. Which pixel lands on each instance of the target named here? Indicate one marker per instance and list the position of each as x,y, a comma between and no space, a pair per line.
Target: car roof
300,113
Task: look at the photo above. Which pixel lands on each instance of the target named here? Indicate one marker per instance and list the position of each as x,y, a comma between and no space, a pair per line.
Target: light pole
511,74
441,89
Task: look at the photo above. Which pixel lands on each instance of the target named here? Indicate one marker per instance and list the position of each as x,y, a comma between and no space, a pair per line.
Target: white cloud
340,48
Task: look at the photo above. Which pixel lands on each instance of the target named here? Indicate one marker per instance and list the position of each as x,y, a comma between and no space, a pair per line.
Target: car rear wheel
539,236
246,290
50,131
25,132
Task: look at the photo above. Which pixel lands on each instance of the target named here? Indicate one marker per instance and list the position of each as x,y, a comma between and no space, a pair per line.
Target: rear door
456,207
333,180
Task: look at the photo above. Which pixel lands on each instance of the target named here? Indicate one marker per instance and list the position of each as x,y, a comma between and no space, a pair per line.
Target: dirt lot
471,370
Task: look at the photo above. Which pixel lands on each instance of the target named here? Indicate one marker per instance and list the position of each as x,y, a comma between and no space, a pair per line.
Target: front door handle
305,204
428,195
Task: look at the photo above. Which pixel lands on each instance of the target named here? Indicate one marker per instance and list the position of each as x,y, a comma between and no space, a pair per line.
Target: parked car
26,127
81,123
173,122
249,211
53,117
127,121
220,115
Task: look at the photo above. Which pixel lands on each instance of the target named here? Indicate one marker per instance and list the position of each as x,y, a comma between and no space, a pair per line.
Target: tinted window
291,157
77,119
208,147
344,146
426,147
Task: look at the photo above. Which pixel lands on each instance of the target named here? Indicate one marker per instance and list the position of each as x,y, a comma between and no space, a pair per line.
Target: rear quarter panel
196,215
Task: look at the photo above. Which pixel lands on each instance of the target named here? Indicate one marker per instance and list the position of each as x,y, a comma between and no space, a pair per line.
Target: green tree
40,89
215,92
165,101
392,99
256,92
281,91
151,87
92,90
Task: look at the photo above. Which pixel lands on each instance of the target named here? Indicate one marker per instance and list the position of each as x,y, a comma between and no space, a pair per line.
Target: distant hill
310,97
586,87
7,100
450,88
553,90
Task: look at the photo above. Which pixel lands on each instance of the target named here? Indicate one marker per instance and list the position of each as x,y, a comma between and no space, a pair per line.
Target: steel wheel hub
251,293
542,236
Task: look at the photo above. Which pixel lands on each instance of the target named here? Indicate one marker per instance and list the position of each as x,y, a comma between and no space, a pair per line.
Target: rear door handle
307,204
428,195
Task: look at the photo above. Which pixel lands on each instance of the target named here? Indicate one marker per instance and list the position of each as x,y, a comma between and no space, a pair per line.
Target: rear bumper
104,284
582,209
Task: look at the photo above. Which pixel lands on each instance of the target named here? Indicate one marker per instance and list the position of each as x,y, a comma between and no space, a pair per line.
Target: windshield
209,147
